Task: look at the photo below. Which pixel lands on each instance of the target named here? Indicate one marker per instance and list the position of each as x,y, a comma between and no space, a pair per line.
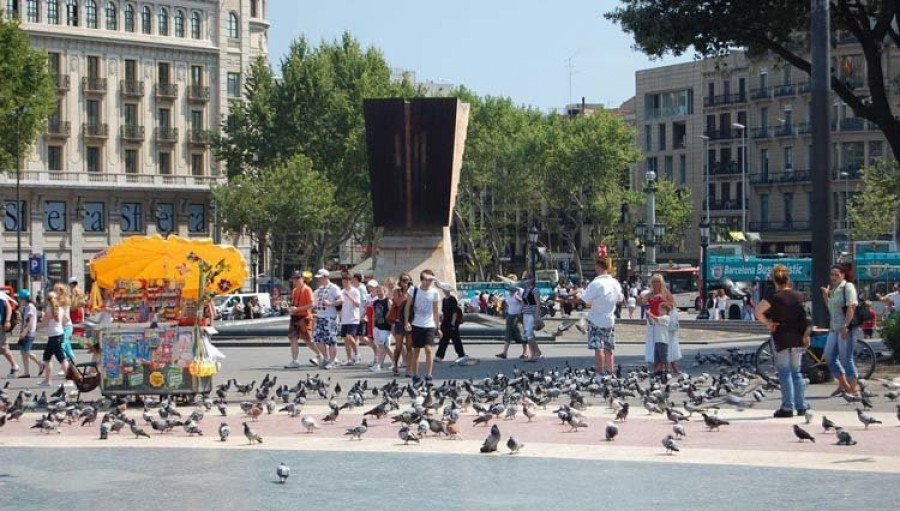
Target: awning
753,237
737,236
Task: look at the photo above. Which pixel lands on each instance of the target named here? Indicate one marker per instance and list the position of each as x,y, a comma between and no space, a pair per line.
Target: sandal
523,356
43,368
501,355
24,376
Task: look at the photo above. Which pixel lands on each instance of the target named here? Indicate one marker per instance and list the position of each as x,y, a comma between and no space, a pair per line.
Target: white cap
445,286
73,280
372,283
322,273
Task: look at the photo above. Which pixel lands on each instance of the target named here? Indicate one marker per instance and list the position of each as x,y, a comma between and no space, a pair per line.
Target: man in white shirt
514,305
350,301
326,332
424,309
892,298
603,293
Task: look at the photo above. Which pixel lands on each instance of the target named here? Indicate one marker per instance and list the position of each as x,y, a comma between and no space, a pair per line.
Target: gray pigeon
407,436
251,435
808,416
358,431
575,423
104,430
491,442
827,424
224,431
514,445
802,434
309,423
669,443
843,437
866,419
283,472
679,431
137,431
611,431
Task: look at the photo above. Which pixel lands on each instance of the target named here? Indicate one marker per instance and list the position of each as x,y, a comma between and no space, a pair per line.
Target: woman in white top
56,317
721,304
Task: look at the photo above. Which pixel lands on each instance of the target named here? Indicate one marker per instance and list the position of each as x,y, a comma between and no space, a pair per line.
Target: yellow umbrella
155,257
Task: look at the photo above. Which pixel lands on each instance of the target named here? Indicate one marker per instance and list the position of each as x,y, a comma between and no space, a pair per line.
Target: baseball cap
73,280
372,283
445,286
322,273
24,294
297,274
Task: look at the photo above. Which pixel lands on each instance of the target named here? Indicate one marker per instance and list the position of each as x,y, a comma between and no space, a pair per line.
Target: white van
225,305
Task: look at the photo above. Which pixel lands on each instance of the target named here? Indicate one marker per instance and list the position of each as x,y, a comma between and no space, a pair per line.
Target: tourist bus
684,283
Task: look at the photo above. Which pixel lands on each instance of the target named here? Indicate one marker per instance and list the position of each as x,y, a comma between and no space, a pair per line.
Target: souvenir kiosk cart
152,293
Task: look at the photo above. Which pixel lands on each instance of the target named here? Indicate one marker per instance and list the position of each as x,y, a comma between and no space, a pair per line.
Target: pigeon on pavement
808,416
622,414
827,424
514,445
407,436
491,442
866,419
843,437
802,434
358,431
224,431
137,431
251,435
283,472
669,443
611,431
679,431
713,422
309,423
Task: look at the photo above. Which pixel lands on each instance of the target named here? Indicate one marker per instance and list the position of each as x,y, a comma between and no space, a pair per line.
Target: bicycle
813,364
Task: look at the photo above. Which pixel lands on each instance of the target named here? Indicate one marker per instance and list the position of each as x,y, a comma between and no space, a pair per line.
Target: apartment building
141,88
747,120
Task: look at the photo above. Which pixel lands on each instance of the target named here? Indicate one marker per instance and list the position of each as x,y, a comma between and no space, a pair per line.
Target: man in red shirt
301,320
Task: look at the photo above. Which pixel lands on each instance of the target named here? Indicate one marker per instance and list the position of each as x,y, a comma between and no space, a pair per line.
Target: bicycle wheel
765,360
864,357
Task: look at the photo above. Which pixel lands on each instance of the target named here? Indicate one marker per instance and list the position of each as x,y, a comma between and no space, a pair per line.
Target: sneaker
329,365
292,365
801,412
42,384
315,362
375,368
347,363
501,355
461,360
428,379
13,372
781,413
416,380
438,360
388,366
61,373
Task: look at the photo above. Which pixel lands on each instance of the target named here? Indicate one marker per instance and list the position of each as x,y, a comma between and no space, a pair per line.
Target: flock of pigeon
438,409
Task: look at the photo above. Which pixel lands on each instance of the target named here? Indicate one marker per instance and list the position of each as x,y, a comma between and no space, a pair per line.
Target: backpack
859,315
14,318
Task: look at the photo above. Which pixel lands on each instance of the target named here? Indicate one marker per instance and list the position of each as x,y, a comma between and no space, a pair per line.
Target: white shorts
382,337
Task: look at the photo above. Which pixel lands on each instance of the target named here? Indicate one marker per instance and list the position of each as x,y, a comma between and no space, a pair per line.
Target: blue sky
515,48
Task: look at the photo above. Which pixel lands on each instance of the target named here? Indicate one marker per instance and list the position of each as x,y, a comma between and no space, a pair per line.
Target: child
26,337
381,330
660,338
868,325
632,303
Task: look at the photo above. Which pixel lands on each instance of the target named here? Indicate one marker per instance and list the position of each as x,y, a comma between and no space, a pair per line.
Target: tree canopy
873,211
779,27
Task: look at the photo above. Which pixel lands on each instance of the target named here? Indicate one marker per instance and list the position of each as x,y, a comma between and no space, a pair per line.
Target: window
131,161
196,76
93,67
165,218
788,208
93,112
764,118
53,12
876,151
130,217
233,26
197,164
32,14
12,8
764,161
72,13
854,155
662,137
130,70
648,138
196,218
254,8
162,24
786,75
131,116
669,163
764,207
14,218
90,14
146,20
234,85
94,216
93,159
179,23
195,25
54,157
162,71
682,169
54,216
764,80
112,16
164,118
788,158
129,18
165,164
196,120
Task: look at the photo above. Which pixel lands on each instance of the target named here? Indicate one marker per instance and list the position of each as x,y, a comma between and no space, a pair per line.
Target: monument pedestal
412,251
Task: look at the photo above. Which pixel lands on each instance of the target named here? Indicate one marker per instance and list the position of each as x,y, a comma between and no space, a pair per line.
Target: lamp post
254,262
642,252
743,129
706,151
703,313
19,111
651,232
532,240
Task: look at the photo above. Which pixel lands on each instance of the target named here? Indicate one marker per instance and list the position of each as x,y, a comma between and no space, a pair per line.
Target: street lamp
703,313
651,232
743,129
254,262
706,151
19,112
532,240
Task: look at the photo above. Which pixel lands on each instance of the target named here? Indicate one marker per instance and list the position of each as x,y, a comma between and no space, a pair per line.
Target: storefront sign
738,270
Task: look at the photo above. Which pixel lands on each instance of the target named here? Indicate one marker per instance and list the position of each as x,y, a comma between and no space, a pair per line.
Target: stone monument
415,150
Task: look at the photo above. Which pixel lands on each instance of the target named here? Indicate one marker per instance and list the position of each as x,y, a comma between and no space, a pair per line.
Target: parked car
225,304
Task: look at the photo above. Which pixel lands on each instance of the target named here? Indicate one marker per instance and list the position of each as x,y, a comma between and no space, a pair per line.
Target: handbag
859,316
538,322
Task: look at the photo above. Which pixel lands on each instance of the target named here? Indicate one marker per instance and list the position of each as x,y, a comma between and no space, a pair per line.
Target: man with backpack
451,318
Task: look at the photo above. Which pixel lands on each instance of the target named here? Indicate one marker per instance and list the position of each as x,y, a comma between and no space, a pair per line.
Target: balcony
133,133
725,99
785,130
55,180
723,134
725,205
57,128
782,226
166,135
804,87
853,171
775,178
131,88
853,124
167,90
784,90
725,169
803,128
761,93
198,93
761,132
61,81
200,137
95,130
93,85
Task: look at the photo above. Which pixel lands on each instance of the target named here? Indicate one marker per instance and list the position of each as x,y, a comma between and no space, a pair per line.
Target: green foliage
24,82
874,209
890,333
674,209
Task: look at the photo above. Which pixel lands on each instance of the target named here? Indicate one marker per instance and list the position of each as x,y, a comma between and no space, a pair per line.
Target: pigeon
679,431
104,430
866,419
827,424
251,435
843,437
611,431
675,416
802,434
407,436
223,410
283,472
483,418
192,428
898,412
514,445
309,423
491,442
224,431
528,413
137,431
713,422
808,416
622,414
358,431
669,443
575,423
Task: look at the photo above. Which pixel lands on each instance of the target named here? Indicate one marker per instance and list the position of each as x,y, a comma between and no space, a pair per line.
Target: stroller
85,376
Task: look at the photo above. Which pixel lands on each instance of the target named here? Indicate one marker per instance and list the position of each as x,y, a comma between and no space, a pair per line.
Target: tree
873,211
24,82
711,27
674,210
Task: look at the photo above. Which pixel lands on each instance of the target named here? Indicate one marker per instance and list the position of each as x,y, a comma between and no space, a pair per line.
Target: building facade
747,121
141,86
